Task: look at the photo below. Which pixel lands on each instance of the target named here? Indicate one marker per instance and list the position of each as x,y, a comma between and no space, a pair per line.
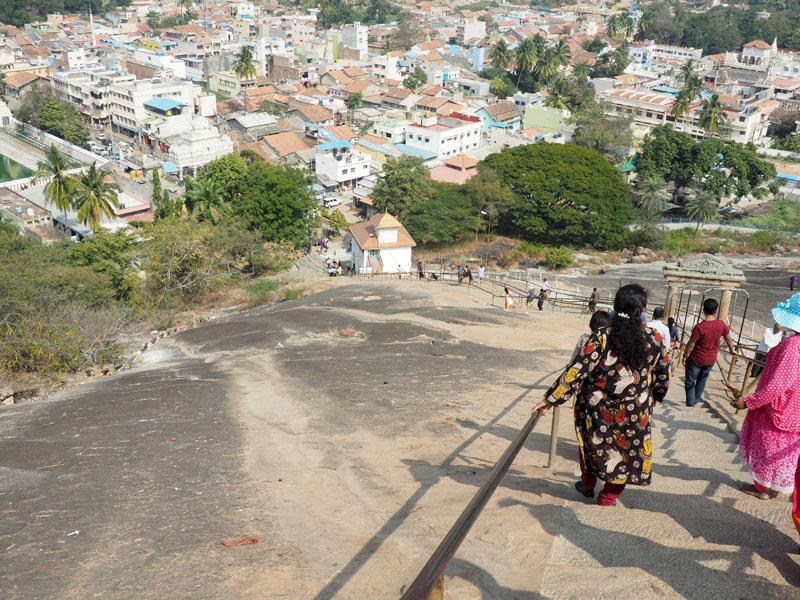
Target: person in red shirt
701,353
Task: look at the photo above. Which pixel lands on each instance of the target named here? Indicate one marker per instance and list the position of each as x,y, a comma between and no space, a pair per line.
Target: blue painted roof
164,104
169,167
416,152
334,145
665,89
788,177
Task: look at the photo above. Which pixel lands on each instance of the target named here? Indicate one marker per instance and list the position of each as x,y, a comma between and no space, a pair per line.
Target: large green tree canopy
722,167
564,192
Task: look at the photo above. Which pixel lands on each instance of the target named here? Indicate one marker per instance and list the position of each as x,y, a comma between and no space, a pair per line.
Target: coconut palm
620,26
525,57
184,4
653,196
546,65
562,53
682,104
712,115
243,65
703,208
204,199
97,198
500,55
60,189
560,94
691,81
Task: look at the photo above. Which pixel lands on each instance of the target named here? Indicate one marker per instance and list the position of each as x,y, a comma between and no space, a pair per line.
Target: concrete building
128,99
647,110
338,165
354,37
386,66
445,136
198,146
381,245
90,90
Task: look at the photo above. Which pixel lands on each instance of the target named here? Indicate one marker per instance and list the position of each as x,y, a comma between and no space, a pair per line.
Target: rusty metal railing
429,584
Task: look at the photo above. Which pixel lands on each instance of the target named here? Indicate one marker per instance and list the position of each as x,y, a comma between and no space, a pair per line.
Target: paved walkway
692,534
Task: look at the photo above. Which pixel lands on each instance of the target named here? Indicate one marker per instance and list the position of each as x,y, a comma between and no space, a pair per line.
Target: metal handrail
431,575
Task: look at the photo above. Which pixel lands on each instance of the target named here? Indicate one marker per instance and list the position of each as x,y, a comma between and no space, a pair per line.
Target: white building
647,110
471,29
391,129
385,66
445,136
355,37
337,165
160,60
198,146
90,89
127,100
381,245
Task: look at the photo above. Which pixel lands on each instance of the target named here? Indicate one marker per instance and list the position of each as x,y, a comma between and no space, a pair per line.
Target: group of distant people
336,268
620,371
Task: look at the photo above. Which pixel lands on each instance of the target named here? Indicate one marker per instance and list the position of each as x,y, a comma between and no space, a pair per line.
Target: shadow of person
741,538
485,582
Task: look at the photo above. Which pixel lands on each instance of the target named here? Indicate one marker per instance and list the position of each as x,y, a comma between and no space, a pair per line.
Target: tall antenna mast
91,25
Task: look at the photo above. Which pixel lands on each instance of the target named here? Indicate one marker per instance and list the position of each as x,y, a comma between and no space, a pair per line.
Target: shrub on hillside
646,236
559,258
56,317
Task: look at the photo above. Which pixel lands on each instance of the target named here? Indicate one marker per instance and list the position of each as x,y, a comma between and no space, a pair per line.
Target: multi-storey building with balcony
338,166
445,136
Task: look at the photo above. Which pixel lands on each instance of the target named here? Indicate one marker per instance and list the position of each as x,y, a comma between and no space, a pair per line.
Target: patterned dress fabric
770,437
613,407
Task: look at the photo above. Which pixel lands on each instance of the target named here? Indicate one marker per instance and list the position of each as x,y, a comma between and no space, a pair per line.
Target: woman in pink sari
770,438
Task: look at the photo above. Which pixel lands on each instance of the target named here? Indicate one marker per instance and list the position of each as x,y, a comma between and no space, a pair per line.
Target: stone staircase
691,534
312,263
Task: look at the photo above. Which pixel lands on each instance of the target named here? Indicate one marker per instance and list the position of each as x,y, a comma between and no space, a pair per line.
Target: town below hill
160,156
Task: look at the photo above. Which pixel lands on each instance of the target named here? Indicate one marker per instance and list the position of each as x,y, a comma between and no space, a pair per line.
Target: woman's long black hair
626,338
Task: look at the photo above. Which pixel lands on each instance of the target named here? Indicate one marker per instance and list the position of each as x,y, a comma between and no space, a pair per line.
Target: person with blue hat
770,437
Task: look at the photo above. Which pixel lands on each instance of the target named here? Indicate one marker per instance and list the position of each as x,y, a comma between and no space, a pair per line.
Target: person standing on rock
770,436
701,353
593,300
543,292
509,299
616,379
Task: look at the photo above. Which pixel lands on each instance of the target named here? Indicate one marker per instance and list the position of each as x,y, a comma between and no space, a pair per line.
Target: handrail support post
551,459
437,591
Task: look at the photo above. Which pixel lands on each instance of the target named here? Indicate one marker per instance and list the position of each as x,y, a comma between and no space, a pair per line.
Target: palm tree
525,57
184,4
653,198
562,53
60,189
546,65
97,198
243,66
616,27
691,81
560,95
204,199
703,208
712,116
682,104
500,55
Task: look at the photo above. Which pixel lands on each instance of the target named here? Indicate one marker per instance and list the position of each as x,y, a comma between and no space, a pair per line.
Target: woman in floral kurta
614,403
